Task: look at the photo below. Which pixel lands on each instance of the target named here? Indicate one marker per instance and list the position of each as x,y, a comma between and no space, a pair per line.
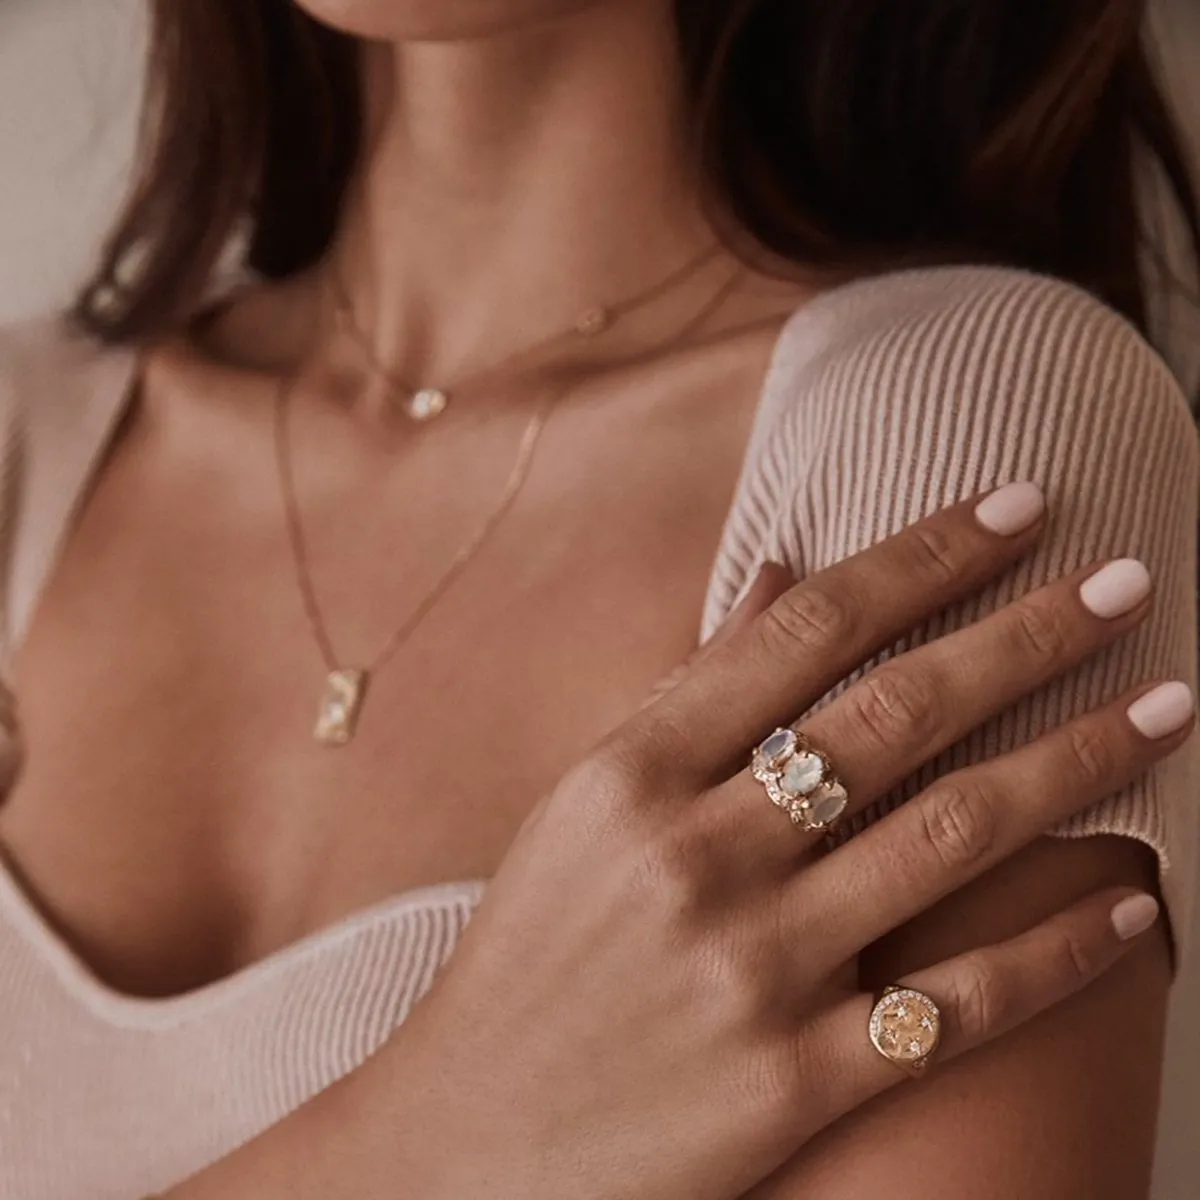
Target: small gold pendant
341,704
427,404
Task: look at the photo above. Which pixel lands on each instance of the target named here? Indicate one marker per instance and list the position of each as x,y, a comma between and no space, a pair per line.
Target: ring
905,1028
800,780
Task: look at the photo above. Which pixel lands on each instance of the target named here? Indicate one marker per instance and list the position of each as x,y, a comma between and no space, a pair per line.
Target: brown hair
848,135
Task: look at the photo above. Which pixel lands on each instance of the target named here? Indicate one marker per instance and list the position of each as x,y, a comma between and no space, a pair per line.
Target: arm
558,1053
1027,378
1062,1109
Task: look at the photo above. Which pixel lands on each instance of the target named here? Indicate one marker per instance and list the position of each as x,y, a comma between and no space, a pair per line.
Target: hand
648,1003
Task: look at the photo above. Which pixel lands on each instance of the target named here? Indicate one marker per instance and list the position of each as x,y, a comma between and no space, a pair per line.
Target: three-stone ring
799,779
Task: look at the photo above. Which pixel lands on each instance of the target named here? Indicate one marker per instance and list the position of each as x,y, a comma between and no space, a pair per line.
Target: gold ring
905,1027
800,780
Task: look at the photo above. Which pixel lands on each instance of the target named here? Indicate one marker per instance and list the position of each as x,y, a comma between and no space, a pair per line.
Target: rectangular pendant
340,707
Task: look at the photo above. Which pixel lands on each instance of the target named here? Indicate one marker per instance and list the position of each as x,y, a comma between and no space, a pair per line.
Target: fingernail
1134,915
1163,711
1011,508
1116,589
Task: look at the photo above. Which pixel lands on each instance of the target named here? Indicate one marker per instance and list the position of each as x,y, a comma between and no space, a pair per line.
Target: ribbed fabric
892,398
885,400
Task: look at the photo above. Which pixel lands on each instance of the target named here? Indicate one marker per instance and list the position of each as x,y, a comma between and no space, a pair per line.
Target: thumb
772,580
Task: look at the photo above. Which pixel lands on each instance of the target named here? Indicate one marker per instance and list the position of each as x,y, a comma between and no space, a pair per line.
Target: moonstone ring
799,779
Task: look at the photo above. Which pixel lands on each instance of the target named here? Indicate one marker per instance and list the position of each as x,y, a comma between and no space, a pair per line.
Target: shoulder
973,365
894,395
967,336
48,365
59,392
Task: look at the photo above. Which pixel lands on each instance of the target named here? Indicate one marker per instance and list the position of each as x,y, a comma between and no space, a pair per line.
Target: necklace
345,688
424,403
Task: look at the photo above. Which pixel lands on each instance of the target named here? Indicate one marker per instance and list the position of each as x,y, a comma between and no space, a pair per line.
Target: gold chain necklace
423,403
345,688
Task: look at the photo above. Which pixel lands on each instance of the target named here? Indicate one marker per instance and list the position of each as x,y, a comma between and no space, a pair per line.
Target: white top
886,399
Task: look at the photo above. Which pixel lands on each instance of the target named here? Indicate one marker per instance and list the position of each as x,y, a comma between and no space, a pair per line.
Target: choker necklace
345,688
424,403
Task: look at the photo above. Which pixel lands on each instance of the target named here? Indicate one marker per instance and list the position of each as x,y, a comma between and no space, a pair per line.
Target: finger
821,630
984,993
907,711
772,580
968,821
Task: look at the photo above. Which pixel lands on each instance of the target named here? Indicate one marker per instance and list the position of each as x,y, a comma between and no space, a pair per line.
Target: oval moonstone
827,804
802,775
781,743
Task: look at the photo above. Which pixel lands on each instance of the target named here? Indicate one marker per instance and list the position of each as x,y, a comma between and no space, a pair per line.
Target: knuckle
640,760
893,705
809,618
1040,633
979,999
740,992
610,777
671,873
1092,758
610,793
936,553
958,823
773,1075
783,1072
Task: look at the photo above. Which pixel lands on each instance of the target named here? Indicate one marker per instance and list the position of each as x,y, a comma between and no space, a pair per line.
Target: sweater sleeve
902,395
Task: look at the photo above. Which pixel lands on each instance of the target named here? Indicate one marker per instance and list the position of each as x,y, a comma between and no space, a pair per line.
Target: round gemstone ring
905,1027
799,779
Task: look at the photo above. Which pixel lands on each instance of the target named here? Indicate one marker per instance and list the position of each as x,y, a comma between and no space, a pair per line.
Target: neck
514,181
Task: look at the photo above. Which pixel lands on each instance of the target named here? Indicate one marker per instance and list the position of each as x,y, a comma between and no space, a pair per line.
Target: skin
675,910
526,160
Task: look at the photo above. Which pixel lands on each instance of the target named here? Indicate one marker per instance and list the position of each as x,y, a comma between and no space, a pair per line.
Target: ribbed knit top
886,399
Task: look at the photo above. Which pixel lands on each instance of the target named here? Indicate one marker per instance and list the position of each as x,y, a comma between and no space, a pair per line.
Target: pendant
341,704
427,404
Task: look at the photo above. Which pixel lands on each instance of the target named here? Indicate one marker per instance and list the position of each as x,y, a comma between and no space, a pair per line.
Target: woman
318,579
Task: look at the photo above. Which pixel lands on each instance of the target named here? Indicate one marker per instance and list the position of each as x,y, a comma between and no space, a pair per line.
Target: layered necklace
345,687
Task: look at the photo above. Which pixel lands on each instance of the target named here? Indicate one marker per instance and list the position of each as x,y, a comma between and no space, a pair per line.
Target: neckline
125,1010
104,398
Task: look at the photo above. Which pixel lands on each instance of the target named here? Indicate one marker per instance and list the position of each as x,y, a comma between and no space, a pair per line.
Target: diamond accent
905,1026
778,798
427,404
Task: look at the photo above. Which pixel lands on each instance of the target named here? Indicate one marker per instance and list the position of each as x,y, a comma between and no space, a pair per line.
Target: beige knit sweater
885,400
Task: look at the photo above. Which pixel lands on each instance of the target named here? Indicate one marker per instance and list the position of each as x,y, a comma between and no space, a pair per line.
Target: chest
170,679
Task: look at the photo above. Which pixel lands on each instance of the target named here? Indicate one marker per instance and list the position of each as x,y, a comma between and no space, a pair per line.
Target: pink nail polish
1011,509
1163,711
1116,589
1134,915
